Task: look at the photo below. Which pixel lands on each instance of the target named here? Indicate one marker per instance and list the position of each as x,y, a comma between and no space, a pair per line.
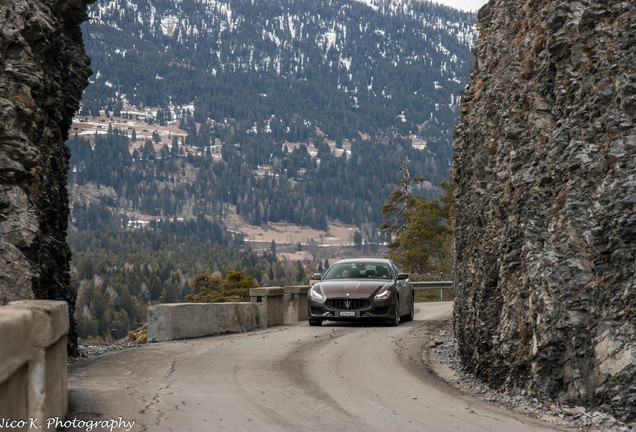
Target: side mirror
316,276
403,276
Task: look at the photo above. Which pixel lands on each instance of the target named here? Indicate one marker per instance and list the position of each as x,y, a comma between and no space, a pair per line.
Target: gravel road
338,377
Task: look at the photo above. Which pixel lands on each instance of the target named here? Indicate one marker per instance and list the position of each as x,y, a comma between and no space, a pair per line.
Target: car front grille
347,303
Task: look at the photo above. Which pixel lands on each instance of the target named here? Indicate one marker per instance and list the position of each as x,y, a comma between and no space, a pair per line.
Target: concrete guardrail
269,307
33,363
171,321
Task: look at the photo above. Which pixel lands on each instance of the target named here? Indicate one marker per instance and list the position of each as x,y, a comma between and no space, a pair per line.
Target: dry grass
25,103
539,42
285,233
559,202
526,334
479,86
518,31
543,142
493,147
140,335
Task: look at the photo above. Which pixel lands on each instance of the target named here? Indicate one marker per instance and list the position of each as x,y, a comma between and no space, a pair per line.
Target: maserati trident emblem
347,304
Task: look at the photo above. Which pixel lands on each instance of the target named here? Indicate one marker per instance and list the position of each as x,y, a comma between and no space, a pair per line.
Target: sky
465,5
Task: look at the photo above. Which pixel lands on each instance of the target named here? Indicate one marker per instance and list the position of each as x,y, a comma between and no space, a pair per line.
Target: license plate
347,313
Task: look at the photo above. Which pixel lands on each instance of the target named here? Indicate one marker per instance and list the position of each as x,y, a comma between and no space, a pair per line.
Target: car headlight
384,294
315,295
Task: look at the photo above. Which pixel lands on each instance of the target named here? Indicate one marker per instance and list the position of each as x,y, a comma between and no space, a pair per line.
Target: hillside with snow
259,100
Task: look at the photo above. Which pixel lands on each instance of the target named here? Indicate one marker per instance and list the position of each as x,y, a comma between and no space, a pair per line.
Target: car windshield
358,270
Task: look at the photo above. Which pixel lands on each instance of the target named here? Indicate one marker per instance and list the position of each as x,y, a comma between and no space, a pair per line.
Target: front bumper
335,309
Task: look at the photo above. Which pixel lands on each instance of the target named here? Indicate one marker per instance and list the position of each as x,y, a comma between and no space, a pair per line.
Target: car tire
395,319
314,322
409,316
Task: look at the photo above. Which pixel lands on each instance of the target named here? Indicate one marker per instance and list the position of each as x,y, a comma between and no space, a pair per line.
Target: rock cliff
43,70
545,219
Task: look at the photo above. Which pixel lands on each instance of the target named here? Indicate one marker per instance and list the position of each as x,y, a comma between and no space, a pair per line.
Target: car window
382,271
396,269
358,270
338,271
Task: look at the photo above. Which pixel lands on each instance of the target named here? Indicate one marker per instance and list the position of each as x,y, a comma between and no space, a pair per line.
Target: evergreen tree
421,229
236,286
209,289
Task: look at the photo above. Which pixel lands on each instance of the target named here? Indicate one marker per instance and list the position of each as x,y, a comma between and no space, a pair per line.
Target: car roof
357,260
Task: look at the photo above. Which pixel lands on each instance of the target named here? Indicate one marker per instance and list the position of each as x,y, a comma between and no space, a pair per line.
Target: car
361,289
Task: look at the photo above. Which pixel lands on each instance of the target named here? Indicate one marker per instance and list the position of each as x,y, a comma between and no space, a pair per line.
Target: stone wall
43,70
545,219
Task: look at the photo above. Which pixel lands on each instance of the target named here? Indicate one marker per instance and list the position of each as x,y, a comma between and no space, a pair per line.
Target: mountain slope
370,77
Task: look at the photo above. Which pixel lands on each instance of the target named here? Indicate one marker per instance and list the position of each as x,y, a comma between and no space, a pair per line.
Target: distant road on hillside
337,377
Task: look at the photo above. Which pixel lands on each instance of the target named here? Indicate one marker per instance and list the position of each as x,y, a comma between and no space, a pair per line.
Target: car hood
351,288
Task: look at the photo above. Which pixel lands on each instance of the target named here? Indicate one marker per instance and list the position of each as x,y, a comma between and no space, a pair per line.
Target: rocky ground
134,339
96,350
441,355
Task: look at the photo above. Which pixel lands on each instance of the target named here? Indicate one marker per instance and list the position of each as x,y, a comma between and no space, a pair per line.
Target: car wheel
315,322
409,316
395,319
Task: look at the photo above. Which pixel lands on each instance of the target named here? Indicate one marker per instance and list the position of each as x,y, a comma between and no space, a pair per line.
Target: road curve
338,377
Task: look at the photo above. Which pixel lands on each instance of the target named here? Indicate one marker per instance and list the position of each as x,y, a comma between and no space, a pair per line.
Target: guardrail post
270,303
295,300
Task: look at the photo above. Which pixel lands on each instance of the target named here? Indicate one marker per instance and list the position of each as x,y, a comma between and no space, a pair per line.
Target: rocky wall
43,70
545,220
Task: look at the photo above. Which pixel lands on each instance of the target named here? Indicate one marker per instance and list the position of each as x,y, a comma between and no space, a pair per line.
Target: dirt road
338,377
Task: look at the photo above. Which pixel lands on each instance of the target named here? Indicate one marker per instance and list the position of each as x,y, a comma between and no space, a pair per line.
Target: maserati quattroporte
361,289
